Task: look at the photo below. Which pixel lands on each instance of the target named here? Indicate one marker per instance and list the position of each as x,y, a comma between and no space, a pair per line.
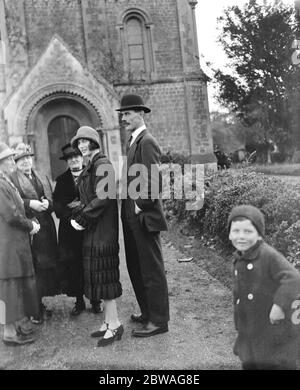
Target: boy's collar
249,254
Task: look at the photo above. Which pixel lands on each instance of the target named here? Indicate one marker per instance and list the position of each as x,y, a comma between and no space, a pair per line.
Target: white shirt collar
136,133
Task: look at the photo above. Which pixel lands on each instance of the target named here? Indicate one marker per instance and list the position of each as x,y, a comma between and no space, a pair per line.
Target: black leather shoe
116,335
99,333
18,340
77,309
150,330
138,318
97,308
24,331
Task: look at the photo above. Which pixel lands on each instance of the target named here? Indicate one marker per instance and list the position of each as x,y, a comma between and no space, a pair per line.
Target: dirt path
200,337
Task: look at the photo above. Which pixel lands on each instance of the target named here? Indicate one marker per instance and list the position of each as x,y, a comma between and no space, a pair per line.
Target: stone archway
52,123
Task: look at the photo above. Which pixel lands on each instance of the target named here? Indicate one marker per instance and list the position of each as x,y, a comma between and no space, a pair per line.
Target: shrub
279,202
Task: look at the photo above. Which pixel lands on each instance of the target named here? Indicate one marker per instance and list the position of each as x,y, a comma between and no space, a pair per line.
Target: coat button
250,266
250,297
235,272
237,301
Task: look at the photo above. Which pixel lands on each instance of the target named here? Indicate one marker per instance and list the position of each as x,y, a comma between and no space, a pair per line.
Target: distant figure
266,296
143,220
65,199
36,192
18,295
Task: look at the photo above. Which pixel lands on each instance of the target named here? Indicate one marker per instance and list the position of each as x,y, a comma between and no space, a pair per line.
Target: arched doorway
60,131
52,124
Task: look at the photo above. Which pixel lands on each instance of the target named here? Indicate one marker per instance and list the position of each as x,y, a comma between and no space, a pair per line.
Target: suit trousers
146,270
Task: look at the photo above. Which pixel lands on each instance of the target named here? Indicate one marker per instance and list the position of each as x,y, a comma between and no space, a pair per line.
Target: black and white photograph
149,188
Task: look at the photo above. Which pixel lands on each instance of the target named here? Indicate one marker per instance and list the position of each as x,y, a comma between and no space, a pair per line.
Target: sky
207,12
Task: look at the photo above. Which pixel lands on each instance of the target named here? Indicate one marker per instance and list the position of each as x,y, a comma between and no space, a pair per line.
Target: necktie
128,143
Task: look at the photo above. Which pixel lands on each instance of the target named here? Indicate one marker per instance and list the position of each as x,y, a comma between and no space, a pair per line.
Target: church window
136,41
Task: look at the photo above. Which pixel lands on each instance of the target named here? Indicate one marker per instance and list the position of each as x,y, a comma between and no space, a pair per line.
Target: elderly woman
98,218
36,193
18,296
65,199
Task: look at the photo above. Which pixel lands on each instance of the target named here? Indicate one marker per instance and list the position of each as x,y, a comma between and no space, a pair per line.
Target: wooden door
60,131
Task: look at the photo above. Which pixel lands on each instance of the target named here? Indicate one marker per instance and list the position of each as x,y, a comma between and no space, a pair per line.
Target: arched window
136,46
136,42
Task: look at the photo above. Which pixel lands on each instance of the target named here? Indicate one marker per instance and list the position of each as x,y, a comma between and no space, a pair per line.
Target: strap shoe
116,334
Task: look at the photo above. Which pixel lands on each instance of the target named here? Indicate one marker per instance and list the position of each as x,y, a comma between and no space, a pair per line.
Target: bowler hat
69,152
133,102
5,151
22,150
85,132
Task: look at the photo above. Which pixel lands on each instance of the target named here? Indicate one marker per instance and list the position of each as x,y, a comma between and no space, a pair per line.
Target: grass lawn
279,169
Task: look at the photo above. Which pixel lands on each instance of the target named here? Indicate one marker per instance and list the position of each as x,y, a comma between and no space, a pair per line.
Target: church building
67,63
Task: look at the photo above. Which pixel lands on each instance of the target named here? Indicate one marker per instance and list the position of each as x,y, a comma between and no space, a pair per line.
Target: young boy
266,287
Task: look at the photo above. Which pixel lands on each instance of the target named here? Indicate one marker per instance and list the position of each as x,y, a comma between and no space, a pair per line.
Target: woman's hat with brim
22,150
85,132
133,102
5,151
69,152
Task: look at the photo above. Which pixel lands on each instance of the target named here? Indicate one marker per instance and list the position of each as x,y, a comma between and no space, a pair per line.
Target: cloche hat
85,132
22,150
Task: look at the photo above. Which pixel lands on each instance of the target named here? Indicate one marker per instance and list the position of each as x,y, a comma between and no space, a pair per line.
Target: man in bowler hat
143,220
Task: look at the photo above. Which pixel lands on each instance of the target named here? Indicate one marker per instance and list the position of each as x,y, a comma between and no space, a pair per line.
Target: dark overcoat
263,277
69,239
44,243
142,231
146,152
17,282
100,218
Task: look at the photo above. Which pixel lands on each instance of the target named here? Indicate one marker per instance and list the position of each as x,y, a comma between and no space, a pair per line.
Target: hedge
279,202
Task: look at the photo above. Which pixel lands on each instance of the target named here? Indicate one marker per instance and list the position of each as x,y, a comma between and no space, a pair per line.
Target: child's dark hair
93,145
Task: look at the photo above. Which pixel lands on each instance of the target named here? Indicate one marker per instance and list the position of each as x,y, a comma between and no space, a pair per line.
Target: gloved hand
76,225
45,203
35,229
276,314
37,205
73,204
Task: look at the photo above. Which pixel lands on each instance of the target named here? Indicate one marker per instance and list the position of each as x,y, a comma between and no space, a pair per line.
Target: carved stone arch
38,97
34,118
135,11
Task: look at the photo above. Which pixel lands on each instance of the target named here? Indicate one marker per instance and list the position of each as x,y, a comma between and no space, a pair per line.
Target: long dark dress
100,241
18,295
69,239
44,243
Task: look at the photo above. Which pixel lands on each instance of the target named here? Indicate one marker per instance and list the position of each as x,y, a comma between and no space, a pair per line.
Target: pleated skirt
101,272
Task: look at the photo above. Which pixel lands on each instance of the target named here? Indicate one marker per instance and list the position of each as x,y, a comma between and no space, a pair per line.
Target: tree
257,39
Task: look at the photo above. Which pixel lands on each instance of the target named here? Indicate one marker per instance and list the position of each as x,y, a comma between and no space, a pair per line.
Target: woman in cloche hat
100,221
18,295
36,192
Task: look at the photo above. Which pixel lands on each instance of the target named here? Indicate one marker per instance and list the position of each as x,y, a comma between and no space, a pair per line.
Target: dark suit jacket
146,151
